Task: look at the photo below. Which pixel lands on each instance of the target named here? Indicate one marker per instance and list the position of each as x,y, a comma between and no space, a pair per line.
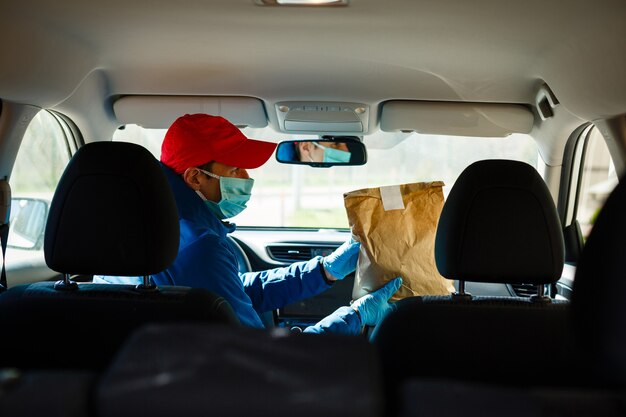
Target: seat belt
5,215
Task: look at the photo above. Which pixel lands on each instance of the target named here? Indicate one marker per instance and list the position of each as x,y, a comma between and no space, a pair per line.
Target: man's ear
305,147
190,176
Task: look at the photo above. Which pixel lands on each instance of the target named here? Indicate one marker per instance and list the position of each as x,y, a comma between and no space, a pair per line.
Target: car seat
598,306
202,370
592,359
112,214
498,225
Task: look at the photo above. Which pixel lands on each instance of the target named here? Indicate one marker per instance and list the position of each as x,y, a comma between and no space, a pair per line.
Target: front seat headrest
113,213
499,225
598,306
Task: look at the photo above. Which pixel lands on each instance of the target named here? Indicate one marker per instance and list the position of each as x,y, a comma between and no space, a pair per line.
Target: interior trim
456,118
159,112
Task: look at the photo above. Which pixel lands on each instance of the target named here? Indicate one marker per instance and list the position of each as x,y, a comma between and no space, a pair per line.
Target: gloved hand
343,260
375,306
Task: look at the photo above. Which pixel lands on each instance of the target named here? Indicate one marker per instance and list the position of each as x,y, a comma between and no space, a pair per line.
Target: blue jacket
206,259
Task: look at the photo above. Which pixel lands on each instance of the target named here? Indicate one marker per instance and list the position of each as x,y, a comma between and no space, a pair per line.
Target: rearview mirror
325,152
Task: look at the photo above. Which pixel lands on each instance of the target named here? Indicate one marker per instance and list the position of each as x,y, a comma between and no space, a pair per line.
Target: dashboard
265,248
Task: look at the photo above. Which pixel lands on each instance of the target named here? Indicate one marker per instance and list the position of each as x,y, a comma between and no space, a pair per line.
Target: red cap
195,139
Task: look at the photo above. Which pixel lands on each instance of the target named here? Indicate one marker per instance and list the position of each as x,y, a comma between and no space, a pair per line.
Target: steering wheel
244,266
242,259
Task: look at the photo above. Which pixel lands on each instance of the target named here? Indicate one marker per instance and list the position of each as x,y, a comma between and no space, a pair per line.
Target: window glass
301,196
598,180
40,162
42,157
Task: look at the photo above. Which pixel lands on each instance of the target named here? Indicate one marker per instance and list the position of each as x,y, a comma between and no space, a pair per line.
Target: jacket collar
192,208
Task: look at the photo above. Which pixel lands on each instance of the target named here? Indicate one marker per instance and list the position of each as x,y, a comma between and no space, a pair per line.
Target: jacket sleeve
343,321
275,288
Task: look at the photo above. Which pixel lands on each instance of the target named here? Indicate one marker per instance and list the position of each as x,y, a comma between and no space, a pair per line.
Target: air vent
293,253
290,253
524,290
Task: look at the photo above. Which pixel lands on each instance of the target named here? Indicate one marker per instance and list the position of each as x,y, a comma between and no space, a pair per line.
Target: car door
587,179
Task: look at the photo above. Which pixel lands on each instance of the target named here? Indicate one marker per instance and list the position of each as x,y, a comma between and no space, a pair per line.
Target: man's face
310,152
209,186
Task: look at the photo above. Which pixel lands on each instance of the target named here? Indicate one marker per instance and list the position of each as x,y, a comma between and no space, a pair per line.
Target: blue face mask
235,194
334,155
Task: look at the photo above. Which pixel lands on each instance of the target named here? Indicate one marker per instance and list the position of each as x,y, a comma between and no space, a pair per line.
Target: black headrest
113,213
598,302
499,224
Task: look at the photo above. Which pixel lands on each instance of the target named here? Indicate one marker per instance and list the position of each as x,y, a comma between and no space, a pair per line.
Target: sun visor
159,112
456,119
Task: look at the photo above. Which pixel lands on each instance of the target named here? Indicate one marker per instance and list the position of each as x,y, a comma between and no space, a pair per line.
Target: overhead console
159,112
456,118
316,117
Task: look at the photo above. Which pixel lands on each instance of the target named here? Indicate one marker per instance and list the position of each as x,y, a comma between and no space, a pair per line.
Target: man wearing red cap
205,160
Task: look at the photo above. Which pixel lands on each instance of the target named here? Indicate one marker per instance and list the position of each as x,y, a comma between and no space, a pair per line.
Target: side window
44,152
598,178
588,177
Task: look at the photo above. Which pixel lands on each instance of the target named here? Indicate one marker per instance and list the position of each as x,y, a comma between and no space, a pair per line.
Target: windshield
302,196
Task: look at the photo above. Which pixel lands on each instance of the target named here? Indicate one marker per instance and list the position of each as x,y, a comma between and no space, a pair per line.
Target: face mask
334,155
235,194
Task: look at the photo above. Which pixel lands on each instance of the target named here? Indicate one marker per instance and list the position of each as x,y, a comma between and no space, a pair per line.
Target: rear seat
203,370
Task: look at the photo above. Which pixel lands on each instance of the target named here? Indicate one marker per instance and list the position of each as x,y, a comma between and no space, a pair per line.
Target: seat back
598,305
213,370
113,213
583,352
498,225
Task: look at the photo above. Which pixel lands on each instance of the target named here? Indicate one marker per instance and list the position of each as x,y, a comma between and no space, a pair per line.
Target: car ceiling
372,51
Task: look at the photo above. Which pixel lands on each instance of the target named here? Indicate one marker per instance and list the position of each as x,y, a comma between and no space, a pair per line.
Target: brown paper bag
396,226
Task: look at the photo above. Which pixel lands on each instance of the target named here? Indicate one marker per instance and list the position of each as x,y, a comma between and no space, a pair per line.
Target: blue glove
343,260
375,306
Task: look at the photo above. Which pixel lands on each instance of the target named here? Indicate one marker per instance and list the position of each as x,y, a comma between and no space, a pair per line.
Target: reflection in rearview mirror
325,152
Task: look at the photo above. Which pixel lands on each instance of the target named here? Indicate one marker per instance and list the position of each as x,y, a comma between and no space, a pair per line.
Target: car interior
518,108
